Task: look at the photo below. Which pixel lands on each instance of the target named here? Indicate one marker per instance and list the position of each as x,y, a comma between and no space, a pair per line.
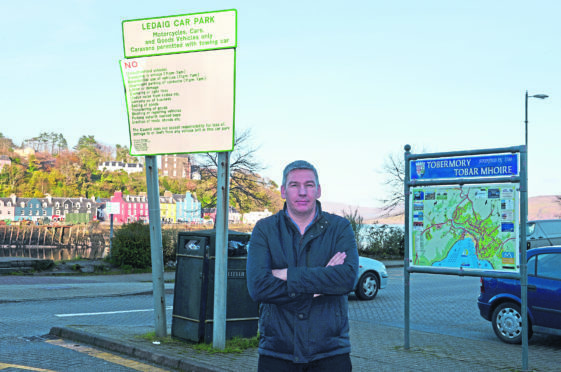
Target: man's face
301,192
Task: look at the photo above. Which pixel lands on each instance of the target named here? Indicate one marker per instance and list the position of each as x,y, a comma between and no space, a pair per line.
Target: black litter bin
193,302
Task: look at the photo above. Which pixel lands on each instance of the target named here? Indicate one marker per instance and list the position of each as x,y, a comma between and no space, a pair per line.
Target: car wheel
507,323
367,287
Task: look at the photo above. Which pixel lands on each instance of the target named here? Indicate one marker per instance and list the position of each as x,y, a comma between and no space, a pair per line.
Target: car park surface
499,301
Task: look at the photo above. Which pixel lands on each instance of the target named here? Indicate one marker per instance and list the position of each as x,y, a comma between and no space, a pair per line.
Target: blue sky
343,85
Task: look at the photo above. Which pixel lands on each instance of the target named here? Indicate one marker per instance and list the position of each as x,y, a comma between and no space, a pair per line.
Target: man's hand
337,259
280,273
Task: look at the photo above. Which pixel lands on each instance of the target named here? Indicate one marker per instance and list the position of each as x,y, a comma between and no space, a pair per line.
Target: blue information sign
466,167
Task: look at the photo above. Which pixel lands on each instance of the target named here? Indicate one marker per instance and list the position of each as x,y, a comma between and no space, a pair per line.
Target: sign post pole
111,235
406,274
523,248
156,248
221,264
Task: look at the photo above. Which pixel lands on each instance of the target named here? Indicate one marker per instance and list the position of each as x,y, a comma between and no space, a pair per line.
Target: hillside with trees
55,169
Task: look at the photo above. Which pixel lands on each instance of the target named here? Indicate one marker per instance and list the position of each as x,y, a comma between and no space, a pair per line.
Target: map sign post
466,214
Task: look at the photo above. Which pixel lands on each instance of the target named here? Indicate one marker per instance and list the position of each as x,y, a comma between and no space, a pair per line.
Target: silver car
543,233
372,276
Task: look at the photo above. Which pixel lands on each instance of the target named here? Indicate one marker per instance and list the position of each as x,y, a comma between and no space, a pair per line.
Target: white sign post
182,103
112,208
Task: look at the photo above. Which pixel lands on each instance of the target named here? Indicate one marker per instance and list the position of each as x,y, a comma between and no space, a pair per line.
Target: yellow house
168,210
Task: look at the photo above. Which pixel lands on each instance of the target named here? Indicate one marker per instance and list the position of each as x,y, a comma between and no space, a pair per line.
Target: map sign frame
467,227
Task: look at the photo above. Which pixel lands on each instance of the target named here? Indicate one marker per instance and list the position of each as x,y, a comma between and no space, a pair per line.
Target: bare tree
394,171
394,177
246,185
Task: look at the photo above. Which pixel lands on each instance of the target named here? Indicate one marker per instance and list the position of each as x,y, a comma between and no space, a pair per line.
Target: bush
383,241
131,246
169,242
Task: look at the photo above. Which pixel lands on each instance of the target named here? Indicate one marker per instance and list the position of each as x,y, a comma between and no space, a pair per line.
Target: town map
469,227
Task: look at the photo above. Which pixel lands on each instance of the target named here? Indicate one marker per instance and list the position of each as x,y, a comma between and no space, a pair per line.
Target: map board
469,227
180,103
180,33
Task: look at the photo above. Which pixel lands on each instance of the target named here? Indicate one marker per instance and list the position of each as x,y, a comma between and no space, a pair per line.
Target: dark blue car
499,301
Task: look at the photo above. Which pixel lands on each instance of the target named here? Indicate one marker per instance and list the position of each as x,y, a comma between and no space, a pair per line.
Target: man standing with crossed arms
302,263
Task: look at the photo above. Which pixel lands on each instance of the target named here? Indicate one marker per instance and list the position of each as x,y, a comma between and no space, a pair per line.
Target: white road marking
109,312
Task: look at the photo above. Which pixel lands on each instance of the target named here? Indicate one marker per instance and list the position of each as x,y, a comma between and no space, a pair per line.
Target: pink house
133,207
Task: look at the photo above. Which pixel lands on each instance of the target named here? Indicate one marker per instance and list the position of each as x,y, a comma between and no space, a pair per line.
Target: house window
9,204
44,213
77,205
22,212
37,212
89,205
22,204
57,205
58,212
44,205
65,206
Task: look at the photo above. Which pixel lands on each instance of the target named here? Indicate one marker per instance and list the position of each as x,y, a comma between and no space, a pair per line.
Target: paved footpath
375,347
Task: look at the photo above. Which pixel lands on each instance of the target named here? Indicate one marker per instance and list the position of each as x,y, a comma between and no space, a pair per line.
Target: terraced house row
173,208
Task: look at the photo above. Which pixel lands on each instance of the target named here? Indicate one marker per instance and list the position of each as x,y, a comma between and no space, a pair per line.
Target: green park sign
180,33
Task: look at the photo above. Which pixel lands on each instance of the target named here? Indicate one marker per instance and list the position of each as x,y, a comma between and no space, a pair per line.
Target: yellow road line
6,365
115,359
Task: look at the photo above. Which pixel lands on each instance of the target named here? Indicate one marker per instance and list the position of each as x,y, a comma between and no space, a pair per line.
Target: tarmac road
446,331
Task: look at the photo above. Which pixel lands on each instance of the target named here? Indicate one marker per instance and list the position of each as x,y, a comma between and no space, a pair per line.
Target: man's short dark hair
299,164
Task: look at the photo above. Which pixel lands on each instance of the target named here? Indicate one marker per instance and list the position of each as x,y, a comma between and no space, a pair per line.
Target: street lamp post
540,96
524,219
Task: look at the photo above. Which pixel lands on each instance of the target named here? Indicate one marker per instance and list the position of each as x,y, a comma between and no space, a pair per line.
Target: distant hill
539,208
544,207
369,214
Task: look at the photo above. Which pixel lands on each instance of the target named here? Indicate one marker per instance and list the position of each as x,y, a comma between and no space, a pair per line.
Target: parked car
499,301
372,276
542,233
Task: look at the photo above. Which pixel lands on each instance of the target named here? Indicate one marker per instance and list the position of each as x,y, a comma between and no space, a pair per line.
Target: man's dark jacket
293,324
